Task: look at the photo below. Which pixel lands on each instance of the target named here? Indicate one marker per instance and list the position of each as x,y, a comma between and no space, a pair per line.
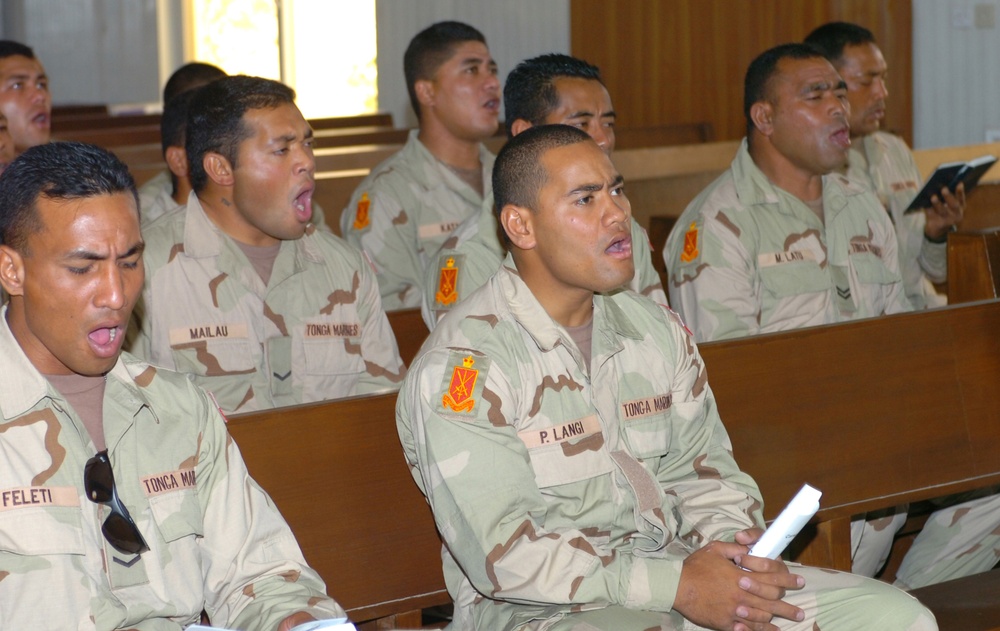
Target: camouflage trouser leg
871,539
959,540
832,601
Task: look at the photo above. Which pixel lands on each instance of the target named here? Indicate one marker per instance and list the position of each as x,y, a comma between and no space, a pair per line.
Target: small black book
951,174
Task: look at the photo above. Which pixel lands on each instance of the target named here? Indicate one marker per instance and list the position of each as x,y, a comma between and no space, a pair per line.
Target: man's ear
424,89
762,115
11,271
218,168
518,223
518,126
177,161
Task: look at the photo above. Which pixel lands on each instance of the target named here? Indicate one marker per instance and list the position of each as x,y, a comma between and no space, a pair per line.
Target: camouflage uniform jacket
155,200
216,540
555,485
403,212
473,253
884,164
746,257
316,331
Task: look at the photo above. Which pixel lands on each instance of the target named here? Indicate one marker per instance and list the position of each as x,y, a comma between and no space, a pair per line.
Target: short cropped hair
10,48
429,49
831,39
756,85
215,118
530,93
173,123
518,175
189,76
56,170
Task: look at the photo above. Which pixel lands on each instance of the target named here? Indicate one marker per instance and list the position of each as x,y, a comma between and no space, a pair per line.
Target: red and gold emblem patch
463,383
690,252
361,218
447,291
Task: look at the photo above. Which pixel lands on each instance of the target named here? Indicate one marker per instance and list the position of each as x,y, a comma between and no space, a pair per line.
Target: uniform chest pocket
217,357
177,514
42,530
330,347
871,270
795,278
568,452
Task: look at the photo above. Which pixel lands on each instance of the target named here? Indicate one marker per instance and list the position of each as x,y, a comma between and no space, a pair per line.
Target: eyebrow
593,188
87,255
27,75
291,137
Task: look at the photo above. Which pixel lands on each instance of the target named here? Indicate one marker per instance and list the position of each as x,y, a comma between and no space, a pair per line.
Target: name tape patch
186,334
640,408
26,496
431,230
160,483
332,329
771,259
572,430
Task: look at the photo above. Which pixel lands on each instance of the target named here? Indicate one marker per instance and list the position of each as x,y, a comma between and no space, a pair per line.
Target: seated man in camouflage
545,90
882,162
125,504
403,212
565,436
780,241
241,290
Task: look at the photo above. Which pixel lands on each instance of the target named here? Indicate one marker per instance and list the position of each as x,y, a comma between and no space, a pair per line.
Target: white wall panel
94,51
515,30
956,72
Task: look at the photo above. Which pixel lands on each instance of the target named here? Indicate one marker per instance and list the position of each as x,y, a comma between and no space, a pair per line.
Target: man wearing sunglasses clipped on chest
124,504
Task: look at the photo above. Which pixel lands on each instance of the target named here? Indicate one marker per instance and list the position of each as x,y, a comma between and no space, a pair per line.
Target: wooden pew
87,122
410,331
114,137
973,266
874,413
337,473
663,135
377,119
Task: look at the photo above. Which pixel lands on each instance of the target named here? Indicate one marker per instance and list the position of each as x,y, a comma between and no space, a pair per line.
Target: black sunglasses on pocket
119,529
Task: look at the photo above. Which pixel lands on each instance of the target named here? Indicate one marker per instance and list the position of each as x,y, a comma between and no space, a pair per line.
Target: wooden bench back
973,266
336,471
873,413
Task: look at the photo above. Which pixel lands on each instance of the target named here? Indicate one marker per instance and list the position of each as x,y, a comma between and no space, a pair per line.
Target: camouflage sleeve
498,526
933,257
384,368
934,260
454,273
717,499
389,236
646,281
254,572
712,279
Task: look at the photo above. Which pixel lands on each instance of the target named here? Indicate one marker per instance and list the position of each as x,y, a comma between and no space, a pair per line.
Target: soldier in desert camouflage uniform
569,444
200,534
882,162
962,537
775,243
241,291
545,90
407,207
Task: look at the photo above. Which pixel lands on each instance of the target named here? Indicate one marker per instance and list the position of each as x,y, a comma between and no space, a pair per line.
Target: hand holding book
950,175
